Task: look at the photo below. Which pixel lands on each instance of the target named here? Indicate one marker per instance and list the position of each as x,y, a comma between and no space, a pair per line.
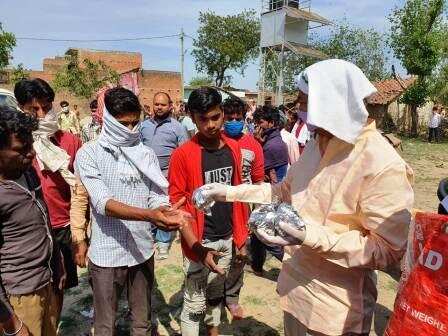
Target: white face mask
65,109
48,125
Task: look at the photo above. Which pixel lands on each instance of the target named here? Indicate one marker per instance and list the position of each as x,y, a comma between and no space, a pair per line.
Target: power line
96,40
190,37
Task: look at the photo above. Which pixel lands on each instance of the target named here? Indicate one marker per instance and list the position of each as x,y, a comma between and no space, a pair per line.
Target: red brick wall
119,61
52,65
152,81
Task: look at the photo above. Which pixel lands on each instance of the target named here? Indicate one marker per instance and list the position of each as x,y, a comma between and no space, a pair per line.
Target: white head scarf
125,142
336,91
48,155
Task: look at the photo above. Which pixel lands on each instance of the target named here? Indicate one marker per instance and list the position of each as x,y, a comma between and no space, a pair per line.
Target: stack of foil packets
268,217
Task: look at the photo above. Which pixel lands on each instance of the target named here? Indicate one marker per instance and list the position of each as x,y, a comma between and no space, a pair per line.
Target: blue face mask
234,128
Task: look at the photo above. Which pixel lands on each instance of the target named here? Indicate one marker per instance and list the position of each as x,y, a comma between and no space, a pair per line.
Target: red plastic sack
421,307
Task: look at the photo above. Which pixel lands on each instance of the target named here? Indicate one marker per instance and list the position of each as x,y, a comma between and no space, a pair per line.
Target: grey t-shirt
163,137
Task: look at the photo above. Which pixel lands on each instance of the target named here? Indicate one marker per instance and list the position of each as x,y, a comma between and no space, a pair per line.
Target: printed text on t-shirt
221,175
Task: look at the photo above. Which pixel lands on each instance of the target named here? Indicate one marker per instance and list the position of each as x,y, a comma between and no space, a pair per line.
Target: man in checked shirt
127,197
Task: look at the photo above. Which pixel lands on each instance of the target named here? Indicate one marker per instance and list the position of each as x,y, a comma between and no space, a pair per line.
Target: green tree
18,73
201,81
85,79
226,43
439,80
7,43
417,41
363,47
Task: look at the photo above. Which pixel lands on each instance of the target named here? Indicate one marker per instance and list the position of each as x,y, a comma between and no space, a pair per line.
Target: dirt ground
260,301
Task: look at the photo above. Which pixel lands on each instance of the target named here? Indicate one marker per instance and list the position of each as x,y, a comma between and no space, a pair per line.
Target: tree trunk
220,77
219,81
414,121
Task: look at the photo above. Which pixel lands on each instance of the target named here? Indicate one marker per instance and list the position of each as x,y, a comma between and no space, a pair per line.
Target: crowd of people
111,191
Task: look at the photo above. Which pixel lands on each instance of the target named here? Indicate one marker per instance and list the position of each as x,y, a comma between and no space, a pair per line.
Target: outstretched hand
171,218
207,257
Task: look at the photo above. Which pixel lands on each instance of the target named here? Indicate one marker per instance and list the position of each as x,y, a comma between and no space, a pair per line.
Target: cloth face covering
48,155
234,128
336,91
126,143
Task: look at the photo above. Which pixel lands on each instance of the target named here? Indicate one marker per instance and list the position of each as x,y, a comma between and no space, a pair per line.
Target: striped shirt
116,242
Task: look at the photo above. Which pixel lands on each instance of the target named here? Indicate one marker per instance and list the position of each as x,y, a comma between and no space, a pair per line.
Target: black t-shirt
217,167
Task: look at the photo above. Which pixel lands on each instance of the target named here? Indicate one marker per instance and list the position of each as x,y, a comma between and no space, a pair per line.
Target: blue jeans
258,253
281,172
161,236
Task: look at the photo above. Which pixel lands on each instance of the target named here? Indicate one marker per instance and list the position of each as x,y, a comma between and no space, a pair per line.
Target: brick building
149,81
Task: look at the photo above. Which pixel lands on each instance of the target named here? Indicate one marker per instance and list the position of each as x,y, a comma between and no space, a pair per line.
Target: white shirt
435,120
293,146
304,134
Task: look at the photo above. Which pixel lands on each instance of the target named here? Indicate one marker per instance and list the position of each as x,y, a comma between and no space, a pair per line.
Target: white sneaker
163,251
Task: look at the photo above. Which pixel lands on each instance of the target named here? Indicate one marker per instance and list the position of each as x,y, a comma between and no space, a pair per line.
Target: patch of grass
254,300
416,149
279,327
392,285
169,278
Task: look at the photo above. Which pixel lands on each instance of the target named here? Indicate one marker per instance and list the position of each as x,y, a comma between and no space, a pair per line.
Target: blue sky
109,19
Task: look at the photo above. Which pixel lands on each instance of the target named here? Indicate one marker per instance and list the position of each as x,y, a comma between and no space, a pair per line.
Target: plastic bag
421,307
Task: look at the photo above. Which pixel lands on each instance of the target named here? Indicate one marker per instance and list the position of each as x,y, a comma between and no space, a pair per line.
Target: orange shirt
357,201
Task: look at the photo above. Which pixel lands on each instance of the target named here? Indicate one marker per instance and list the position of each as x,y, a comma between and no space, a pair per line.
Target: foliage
18,73
7,43
439,85
363,47
201,81
417,93
417,41
439,79
416,35
85,79
226,43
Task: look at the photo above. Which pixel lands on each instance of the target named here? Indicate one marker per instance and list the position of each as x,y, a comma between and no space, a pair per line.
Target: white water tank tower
285,25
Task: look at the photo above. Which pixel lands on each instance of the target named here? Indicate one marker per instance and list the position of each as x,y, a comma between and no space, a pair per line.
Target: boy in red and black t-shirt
253,173
209,157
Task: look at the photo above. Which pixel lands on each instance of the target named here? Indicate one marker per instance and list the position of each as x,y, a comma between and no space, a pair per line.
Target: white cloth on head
336,93
48,155
127,143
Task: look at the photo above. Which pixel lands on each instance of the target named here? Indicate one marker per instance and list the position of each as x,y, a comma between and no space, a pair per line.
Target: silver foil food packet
263,218
200,201
268,217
